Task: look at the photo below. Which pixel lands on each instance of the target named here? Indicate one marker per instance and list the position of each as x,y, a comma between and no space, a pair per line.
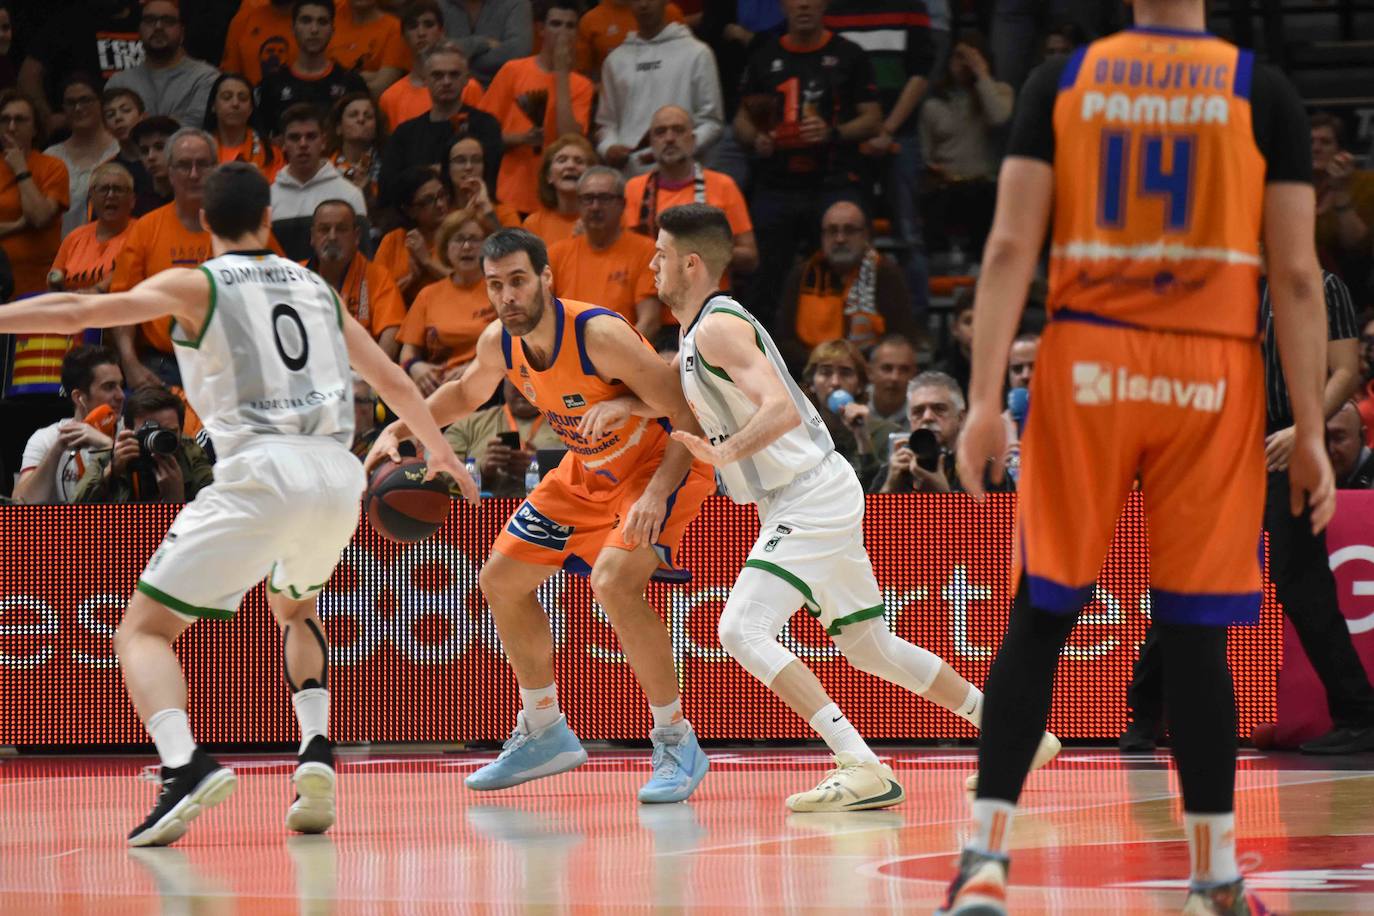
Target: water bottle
532,476
475,473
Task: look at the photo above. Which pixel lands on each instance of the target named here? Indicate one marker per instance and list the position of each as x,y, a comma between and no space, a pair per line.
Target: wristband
20,176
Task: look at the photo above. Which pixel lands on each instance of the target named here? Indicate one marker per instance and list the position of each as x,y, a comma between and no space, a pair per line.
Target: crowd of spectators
853,145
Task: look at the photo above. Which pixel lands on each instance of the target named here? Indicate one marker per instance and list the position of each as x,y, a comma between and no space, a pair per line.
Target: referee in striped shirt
1299,564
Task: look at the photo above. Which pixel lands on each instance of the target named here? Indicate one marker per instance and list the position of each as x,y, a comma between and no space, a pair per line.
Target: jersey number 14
1174,187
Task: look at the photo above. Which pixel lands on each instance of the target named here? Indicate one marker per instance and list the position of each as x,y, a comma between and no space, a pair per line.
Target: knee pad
871,647
749,632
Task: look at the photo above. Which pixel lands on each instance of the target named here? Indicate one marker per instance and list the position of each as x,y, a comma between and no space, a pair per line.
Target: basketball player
264,348
616,507
772,449
1164,154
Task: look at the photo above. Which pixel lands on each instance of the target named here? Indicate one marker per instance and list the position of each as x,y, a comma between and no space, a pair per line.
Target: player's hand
645,519
445,462
1311,484
603,417
982,449
700,448
386,447
1278,448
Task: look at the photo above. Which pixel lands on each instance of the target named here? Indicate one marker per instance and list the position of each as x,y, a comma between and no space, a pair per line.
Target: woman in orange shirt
408,251
564,162
465,163
34,193
227,117
357,130
439,336
85,262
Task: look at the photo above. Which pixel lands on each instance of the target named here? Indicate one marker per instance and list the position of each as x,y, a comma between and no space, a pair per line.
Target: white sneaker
852,786
1048,750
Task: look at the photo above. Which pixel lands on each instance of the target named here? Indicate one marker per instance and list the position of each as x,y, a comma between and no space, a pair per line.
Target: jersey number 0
295,350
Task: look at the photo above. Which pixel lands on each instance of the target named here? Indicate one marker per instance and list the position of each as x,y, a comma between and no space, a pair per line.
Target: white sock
992,824
171,732
972,709
668,715
312,712
540,707
839,735
1212,847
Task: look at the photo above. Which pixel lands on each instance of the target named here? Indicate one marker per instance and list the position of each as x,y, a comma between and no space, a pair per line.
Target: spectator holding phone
503,440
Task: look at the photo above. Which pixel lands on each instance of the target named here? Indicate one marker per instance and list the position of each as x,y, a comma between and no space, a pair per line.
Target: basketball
402,505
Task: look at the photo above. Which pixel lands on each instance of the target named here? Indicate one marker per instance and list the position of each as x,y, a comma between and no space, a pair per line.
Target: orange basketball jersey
568,388
1159,185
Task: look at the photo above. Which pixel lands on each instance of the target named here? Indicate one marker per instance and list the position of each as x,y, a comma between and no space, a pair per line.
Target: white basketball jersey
271,359
722,409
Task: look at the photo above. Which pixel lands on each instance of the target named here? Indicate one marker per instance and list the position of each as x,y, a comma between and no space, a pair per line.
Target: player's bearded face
521,307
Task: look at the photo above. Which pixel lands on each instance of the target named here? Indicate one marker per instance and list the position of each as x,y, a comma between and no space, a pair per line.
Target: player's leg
1078,462
306,652
619,577
760,604
1204,483
541,744
191,779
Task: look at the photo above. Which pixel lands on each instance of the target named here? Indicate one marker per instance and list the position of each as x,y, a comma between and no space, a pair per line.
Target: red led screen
415,656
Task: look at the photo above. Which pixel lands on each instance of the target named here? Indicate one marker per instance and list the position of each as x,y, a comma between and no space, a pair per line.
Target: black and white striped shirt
1341,324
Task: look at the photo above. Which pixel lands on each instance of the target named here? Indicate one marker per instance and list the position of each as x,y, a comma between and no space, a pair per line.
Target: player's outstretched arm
1295,289
730,344
400,393
180,292
1025,189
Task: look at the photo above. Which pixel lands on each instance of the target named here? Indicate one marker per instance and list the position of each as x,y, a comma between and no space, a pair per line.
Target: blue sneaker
679,766
530,755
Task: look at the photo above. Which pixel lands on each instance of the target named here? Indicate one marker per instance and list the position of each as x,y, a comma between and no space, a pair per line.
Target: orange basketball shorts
569,519
1181,414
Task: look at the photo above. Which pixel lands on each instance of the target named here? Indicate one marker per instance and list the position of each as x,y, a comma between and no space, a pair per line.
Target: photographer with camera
151,460
923,462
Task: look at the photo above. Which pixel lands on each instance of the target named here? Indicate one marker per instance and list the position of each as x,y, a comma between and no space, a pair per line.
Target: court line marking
1336,776
61,855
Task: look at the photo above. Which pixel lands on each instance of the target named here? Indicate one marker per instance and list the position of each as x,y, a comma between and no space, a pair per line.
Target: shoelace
673,752
516,741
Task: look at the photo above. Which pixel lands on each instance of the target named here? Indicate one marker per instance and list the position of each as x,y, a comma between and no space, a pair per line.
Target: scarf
648,205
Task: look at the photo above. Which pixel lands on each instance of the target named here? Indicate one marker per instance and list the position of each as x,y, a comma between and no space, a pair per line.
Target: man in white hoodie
660,64
306,182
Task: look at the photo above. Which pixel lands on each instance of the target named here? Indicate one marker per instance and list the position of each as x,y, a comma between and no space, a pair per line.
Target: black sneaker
313,809
1139,737
186,792
1349,739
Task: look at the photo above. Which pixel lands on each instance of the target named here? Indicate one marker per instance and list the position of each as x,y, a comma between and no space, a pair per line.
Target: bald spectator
422,25
168,81
661,63
677,178
606,265
847,290
1352,461
892,365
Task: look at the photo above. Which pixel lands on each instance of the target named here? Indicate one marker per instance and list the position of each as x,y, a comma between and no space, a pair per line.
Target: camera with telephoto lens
155,439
